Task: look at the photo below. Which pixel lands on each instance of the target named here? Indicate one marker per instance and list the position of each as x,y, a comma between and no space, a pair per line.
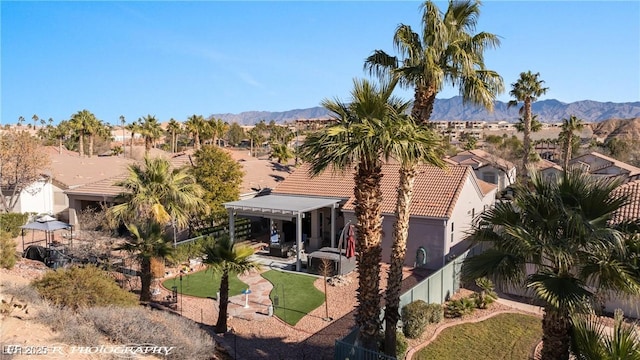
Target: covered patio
48,225
286,208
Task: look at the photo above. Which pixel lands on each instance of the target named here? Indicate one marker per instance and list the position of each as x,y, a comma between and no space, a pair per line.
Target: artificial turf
296,295
205,284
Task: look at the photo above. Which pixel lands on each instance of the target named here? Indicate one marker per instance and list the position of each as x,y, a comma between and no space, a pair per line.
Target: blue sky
174,59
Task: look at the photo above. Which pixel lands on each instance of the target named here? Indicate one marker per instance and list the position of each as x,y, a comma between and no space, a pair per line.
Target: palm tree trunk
368,213
81,143
145,279
423,104
398,252
556,338
90,145
197,141
526,137
223,301
131,152
60,146
567,150
147,146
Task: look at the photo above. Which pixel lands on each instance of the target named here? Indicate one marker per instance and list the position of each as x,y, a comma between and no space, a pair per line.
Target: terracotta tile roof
486,187
544,164
435,191
71,170
478,158
105,187
631,170
631,211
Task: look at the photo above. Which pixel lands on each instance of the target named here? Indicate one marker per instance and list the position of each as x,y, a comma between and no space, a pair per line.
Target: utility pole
124,147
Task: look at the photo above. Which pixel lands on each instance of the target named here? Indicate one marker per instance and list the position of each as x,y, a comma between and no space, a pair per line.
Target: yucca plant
592,340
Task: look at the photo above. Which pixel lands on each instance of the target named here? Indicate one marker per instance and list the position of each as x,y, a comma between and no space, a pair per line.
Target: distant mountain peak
548,110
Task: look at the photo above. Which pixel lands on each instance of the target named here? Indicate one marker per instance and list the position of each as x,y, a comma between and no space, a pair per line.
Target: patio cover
46,225
282,207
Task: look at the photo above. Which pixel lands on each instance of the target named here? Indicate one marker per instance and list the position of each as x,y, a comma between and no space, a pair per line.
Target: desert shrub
486,295
401,345
144,326
78,287
413,318
24,293
460,307
11,222
434,313
8,255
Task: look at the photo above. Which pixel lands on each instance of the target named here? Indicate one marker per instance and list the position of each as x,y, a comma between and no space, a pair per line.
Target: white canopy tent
283,207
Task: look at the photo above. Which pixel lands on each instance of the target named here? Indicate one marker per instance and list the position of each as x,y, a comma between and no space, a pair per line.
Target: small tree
326,271
225,257
21,164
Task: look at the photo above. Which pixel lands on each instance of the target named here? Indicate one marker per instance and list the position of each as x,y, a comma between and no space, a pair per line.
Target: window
490,177
452,227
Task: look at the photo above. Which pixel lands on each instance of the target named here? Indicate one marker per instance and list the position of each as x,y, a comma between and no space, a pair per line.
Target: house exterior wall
37,198
433,234
502,179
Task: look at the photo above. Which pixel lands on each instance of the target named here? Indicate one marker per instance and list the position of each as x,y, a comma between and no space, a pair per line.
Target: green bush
460,307
434,313
413,318
11,222
8,256
401,345
79,287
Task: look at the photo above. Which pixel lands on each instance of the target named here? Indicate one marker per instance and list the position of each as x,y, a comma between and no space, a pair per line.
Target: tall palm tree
357,139
225,257
148,243
133,130
83,123
20,120
35,119
153,191
150,129
123,122
174,128
94,128
60,132
447,52
568,127
526,90
410,144
557,240
195,125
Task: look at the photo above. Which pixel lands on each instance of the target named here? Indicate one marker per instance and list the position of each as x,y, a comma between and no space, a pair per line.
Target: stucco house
602,165
444,205
36,198
487,167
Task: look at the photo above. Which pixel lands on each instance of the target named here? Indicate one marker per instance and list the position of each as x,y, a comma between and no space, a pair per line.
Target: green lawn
204,283
504,337
296,295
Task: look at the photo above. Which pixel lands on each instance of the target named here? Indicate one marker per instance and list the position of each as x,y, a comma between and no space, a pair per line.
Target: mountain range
453,109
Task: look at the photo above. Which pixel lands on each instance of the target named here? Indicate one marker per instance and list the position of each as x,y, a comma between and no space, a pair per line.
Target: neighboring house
445,202
548,169
601,165
36,198
487,167
92,183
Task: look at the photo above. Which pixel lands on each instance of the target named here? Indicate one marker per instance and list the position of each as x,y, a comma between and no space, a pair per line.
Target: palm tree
590,339
281,152
195,125
60,132
122,124
225,257
526,90
557,240
150,129
568,127
82,123
410,145
147,243
133,130
20,120
448,51
174,128
357,139
155,192
255,138
35,119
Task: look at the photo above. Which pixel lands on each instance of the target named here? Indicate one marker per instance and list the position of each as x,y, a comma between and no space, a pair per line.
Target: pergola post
232,226
333,226
298,240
